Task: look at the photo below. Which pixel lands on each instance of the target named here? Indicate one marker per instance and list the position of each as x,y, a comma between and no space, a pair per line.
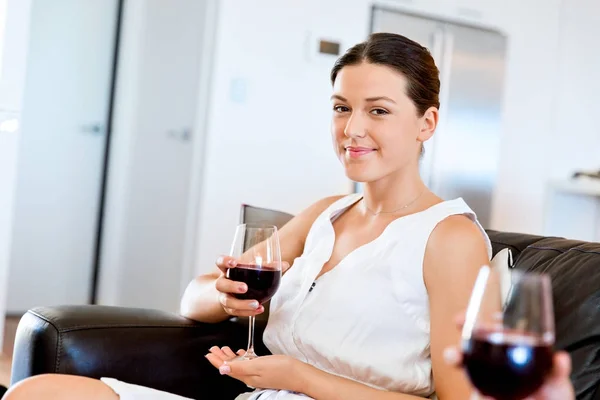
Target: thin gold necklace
399,209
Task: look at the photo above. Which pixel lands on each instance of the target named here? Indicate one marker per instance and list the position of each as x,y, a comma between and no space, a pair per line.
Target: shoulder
293,234
315,209
456,245
455,231
303,221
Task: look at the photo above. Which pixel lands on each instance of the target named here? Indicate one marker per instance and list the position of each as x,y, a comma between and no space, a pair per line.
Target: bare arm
323,386
455,252
204,300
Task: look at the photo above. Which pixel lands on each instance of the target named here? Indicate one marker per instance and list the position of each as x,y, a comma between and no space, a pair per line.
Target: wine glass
257,251
508,346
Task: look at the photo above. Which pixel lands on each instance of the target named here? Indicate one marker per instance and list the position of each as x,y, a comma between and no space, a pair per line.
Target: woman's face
376,128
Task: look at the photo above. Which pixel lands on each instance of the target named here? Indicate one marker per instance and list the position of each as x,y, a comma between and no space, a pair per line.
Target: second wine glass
257,251
508,343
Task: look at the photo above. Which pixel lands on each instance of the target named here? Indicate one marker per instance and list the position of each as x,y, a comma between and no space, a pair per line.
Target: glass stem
250,352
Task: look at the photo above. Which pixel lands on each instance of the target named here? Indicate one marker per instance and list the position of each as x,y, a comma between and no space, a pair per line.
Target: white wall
14,22
3,6
268,140
576,137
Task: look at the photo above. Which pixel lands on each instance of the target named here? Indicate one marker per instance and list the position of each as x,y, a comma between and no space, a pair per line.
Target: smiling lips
357,152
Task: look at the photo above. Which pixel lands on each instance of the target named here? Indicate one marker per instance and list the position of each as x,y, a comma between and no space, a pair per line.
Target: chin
360,176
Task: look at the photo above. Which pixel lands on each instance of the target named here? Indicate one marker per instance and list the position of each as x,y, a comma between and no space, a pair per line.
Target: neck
394,191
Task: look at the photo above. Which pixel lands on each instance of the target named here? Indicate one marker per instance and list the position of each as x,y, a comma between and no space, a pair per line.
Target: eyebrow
368,99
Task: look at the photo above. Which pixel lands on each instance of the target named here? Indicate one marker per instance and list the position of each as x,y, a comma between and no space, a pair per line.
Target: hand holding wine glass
229,290
557,385
507,349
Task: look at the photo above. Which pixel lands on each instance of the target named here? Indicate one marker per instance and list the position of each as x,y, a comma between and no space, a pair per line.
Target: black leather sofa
166,351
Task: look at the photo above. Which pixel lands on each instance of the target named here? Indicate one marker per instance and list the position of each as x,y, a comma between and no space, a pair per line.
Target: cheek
337,128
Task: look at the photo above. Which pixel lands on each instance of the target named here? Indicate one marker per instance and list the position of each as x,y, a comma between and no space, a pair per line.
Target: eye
379,111
340,109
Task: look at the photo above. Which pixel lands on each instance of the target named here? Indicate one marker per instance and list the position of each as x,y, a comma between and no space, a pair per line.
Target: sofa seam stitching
564,251
85,327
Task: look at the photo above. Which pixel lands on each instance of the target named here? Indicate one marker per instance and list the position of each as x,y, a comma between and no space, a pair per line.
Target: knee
57,386
38,386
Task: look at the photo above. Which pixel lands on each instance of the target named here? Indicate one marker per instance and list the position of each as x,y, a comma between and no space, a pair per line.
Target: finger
241,352
285,266
225,285
214,360
238,313
225,369
228,352
216,350
453,356
240,368
228,301
225,262
562,365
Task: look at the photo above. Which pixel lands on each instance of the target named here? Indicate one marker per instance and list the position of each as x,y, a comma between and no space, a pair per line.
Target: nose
355,127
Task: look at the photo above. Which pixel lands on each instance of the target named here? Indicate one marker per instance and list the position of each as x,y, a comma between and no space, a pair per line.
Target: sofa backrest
574,268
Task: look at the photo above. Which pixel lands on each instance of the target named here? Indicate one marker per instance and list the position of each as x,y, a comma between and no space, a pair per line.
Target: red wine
505,365
262,282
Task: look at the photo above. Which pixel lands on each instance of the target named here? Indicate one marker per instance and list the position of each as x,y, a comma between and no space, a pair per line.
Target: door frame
93,295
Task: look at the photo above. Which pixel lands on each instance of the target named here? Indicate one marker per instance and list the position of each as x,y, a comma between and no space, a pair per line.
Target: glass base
249,355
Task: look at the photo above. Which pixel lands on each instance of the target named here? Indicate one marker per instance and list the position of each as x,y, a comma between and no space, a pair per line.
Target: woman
389,268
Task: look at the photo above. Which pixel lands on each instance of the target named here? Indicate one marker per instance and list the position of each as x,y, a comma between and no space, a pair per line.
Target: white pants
128,391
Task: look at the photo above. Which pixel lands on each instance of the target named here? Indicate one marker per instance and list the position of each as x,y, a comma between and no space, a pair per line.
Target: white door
61,152
151,168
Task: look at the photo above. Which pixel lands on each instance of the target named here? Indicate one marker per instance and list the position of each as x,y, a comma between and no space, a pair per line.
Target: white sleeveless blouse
367,319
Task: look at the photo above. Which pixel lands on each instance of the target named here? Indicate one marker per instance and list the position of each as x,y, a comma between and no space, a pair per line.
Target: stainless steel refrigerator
461,160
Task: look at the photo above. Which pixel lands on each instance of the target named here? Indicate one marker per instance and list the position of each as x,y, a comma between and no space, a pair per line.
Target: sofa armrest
145,347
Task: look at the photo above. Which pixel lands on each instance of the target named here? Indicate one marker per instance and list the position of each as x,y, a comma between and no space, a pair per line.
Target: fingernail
451,356
232,263
224,369
219,260
243,288
254,304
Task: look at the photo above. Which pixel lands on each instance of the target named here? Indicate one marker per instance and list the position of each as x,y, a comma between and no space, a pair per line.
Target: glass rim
257,225
522,275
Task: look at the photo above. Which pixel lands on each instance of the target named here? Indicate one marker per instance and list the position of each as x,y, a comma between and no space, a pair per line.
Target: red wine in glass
262,281
507,343
506,365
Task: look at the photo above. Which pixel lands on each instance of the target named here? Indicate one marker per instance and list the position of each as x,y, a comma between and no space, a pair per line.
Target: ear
428,123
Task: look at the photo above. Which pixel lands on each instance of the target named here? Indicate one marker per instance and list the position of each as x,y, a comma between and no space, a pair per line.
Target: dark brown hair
403,55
